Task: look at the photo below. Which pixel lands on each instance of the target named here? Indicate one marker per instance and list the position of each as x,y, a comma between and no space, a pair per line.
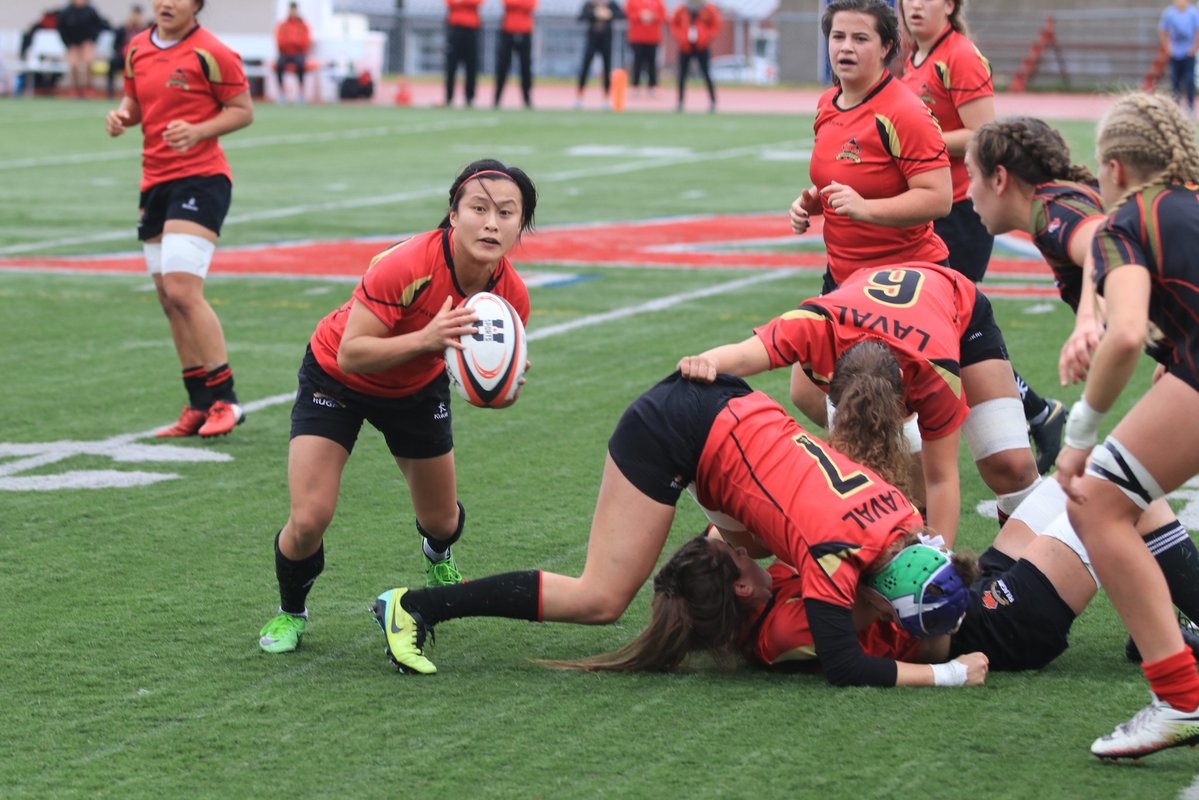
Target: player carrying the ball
380,358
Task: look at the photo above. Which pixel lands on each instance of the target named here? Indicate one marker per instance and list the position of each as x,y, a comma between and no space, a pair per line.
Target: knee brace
153,254
1112,462
183,252
994,426
1008,503
1042,506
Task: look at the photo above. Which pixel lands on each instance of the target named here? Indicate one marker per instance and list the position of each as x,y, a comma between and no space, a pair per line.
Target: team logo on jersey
996,595
926,95
850,151
1055,225
178,80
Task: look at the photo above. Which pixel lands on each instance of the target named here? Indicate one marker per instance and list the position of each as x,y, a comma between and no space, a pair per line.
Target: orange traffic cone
620,89
403,94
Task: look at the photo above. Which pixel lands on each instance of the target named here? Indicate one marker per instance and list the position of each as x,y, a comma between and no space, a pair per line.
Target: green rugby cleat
405,634
283,633
442,573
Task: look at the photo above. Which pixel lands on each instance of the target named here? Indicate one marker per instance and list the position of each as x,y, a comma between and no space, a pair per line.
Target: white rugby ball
487,371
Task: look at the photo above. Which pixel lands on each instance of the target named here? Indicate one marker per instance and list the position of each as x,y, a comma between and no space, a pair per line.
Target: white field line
403,197
45,453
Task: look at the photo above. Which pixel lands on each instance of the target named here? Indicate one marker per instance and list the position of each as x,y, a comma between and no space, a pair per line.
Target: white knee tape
183,252
994,426
1061,530
153,254
1008,503
1042,506
717,518
1112,462
911,434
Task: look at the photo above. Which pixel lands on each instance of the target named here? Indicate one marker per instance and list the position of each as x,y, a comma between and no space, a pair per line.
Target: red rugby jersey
919,310
646,18
190,81
518,16
813,507
781,635
404,287
875,147
463,13
952,74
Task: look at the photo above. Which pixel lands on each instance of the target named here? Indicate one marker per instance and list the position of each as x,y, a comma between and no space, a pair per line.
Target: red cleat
222,418
189,423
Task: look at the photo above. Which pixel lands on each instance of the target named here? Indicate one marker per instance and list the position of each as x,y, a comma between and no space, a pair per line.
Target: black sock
296,577
441,546
515,595
220,384
1034,404
197,392
1179,561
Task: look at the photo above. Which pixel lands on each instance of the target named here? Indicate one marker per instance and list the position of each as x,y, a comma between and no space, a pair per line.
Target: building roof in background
746,9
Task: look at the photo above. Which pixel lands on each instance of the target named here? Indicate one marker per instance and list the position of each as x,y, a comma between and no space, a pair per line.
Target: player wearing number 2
380,358
954,363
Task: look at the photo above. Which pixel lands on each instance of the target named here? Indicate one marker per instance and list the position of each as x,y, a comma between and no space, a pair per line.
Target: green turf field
129,615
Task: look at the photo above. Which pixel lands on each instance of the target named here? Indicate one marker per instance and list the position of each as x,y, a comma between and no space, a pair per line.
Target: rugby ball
487,371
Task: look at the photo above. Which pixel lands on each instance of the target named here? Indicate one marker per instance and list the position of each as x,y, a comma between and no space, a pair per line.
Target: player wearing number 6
380,358
836,520
948,359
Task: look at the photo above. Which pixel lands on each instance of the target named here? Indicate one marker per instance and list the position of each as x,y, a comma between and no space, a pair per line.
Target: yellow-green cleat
442,573
283,633
405,634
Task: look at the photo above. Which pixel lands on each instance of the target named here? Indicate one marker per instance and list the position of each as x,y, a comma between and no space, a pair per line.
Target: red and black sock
219,382
195,381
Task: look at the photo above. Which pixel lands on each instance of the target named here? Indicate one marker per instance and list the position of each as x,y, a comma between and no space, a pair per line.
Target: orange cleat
189,423
222,418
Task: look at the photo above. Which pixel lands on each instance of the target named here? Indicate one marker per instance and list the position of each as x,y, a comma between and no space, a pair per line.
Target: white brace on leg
153,254
1061,530
1131,477
183,252
1045,504
1008,503
994,426
911,434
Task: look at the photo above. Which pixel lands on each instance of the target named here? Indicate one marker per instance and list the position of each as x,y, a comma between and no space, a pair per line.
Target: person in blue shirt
1179,34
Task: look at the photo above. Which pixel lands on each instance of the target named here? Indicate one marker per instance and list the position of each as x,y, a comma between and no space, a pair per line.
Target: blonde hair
1151,137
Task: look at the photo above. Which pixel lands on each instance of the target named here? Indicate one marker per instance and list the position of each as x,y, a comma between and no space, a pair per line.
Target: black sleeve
840,653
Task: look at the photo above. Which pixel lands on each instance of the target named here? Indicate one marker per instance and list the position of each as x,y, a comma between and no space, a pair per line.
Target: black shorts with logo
204,200
1016,617
660,437
415,426
982,340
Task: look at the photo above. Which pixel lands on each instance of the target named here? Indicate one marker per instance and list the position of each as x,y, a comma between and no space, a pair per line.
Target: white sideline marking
1191,792
415,194
122,448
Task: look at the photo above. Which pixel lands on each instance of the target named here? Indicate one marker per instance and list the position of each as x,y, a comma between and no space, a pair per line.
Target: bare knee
307,525
1009,471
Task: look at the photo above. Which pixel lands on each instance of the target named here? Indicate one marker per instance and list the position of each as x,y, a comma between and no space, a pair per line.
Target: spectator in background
294,41
645,34
38,81
134,24
516,34
694,26
599,16
1179,34
462,47
79,25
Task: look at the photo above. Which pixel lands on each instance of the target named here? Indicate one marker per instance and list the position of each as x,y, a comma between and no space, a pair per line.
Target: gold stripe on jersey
129,63
831,555
384,253
1148,200
888,135
951,379
803,313
210,66
942,70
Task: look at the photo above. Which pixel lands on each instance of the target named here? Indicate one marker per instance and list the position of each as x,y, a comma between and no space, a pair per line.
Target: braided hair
1028,148
1152,138
695,608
